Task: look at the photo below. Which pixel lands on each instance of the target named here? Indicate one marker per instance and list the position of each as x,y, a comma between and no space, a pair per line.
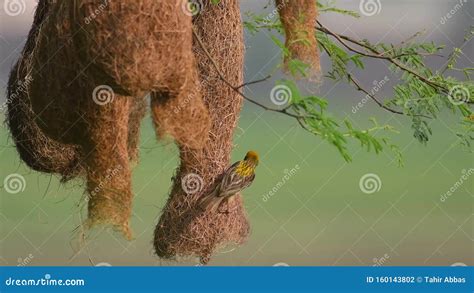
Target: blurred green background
318,217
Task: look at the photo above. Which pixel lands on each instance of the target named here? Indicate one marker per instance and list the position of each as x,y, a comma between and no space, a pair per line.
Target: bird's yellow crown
247,166
252,156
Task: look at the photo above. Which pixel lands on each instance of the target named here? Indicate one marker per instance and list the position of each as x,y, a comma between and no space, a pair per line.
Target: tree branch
254,81
377,55
370,95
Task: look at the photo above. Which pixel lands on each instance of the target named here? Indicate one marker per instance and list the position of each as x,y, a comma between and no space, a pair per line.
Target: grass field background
318,217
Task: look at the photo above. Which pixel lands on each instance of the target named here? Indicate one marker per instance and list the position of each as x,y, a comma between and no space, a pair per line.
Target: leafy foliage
311,113
420,94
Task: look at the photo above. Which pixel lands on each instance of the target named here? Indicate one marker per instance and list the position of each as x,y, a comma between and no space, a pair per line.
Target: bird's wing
235,183
249,180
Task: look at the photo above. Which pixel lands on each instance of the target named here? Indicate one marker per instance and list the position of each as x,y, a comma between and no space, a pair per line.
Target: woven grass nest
77,112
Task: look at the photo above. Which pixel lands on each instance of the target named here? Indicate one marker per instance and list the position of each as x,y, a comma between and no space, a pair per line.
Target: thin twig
414,54
414,36
377,55
370,95
254,81
359,88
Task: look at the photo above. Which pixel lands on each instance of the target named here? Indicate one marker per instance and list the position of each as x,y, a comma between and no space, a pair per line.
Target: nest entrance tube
182,230
36,149
299,22
84,117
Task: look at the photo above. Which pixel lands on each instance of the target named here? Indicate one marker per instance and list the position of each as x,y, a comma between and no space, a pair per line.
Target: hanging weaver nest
298,18
182,229
91,63
37,150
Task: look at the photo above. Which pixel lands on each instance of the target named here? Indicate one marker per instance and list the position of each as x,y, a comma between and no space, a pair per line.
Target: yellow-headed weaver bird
236,178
